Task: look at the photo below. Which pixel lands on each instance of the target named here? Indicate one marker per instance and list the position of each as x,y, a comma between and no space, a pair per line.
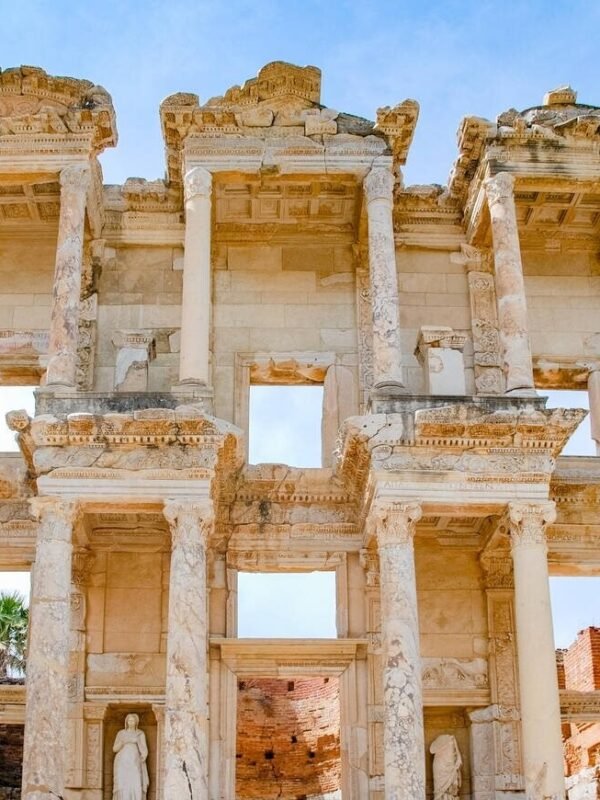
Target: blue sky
455,58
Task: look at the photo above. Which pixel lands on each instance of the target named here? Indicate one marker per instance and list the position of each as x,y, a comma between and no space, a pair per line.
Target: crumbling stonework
283,248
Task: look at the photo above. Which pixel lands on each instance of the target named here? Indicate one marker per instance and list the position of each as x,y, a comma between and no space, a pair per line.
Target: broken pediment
33,103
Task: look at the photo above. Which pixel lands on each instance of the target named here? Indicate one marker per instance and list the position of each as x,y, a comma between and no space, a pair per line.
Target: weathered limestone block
135,349
186,697
44,760
340,401
64,327
585,785
440,352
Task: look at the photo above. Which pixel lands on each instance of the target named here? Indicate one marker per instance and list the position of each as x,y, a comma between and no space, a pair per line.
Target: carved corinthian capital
395,523
198,181
500,188
528,522
190,522
379,184
57,517
76,177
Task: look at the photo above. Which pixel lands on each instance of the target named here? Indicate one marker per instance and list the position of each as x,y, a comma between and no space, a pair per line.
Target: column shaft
196,299
44,757
403,739
64,325
387,353
510,287
186,697
594,397
538,681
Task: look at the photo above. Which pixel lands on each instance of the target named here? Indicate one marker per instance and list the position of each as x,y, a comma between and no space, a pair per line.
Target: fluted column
538,681
403,740
510,287
387,353
44,756
186,696
64,325
196,299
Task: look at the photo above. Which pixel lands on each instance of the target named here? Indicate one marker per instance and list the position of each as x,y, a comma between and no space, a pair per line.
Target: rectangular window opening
581,442
13,398
15,590
290,605
285,425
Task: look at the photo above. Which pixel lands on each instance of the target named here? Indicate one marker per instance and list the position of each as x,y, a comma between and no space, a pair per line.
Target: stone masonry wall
288,739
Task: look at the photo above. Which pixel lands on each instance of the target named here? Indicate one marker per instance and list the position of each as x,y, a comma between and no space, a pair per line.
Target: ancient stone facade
284,248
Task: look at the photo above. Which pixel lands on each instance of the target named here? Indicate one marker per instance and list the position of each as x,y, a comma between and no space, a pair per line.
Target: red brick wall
582,662
11,759
288,739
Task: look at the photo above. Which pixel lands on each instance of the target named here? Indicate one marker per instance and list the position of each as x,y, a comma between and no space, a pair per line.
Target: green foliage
14,621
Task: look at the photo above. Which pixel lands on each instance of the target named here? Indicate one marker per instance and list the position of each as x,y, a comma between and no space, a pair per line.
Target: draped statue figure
447,763
130,773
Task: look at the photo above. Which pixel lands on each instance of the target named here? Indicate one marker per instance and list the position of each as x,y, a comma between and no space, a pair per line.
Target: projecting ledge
283,658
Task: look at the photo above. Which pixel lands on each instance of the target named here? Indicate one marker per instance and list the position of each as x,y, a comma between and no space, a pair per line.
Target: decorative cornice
528,521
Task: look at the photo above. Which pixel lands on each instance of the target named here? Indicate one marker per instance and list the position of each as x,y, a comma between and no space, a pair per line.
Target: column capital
395,523
63,512
379,184
528,521
500,187
76,176
197,182
189,520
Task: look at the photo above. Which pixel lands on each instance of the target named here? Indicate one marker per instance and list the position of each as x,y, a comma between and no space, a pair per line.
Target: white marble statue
447,763
130,774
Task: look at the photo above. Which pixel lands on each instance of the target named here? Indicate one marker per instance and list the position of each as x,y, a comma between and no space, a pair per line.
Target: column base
390,387
191,391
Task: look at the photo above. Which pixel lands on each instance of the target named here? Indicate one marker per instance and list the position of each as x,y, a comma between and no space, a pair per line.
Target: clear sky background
456,57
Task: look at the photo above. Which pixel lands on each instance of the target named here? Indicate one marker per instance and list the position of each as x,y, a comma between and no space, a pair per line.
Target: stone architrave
186,697
538,680
594,396
440,353
64,326
44,755
387,353
510,287
196,297
135,349
403,737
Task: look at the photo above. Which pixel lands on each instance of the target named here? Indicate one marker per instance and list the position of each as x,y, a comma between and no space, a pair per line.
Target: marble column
594,398
44,756
64,325
538,681
387,353
403,739
196,298
510,287
186,696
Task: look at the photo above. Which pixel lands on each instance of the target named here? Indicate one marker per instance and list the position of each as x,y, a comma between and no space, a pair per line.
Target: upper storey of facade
283,248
